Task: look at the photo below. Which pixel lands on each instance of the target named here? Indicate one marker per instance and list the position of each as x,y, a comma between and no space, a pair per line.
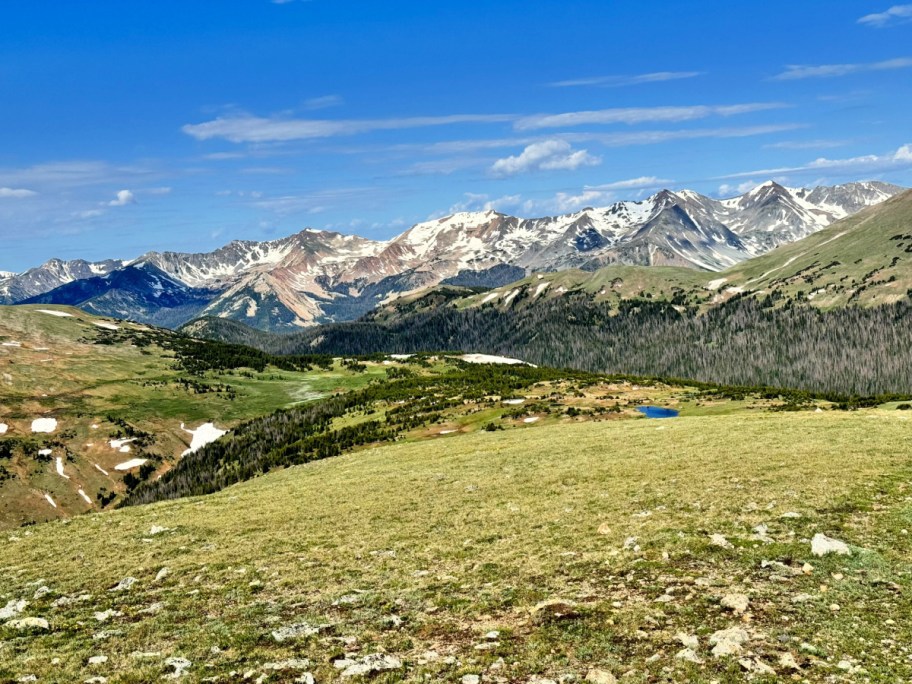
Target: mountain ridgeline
322,277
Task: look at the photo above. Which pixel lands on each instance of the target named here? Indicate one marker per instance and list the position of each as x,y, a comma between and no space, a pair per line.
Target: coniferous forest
746,341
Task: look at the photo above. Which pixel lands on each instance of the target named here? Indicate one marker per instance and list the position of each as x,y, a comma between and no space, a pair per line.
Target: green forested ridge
744,341
387,409
382,411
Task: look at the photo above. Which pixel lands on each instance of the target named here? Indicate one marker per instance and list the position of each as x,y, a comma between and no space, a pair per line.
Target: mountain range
321,276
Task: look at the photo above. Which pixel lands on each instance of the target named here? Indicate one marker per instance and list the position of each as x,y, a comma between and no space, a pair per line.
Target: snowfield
60,472
121,445
488,358
203,435
129,465
44,425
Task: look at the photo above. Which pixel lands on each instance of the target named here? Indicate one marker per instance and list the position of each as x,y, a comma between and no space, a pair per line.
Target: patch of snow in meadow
129,465
203,435
51,312
85,497
488,358
50,500
121,445
59,465
3,428
100,469
716,284
44,425
106,326
531,419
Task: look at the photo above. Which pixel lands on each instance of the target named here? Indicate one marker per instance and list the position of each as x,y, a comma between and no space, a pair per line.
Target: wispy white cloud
563,202
806,144
244,128
68,174
728,190
16,193
898,14
88,213
472,201
470,154
324,102
316,202
633,184
548,155
124,197
618,81
870,163
609,139
638,115
655,137
795,72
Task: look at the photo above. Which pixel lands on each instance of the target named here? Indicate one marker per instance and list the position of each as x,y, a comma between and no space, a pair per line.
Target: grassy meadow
435,554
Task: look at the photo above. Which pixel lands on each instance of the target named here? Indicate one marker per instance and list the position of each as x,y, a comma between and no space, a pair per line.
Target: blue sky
128,127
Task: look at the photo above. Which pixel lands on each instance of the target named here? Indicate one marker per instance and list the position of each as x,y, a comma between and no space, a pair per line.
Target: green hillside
865,259
103,380
614,549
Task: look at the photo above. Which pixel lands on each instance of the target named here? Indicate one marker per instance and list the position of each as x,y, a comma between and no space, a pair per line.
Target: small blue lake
657,412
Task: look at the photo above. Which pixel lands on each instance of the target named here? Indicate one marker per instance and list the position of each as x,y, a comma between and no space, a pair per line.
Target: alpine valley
316,277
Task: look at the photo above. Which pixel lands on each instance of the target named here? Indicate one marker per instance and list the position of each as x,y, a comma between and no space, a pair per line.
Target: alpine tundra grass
653,550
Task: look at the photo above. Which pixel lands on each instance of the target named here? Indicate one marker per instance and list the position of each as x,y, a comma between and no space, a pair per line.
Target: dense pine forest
746,341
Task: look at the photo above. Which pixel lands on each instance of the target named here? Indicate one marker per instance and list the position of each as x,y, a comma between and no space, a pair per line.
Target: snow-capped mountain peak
318,275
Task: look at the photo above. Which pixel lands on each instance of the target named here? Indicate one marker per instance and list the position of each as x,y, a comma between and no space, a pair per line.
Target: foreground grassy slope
436,554
70,368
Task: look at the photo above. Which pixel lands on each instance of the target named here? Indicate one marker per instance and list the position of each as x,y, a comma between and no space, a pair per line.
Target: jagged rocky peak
318,275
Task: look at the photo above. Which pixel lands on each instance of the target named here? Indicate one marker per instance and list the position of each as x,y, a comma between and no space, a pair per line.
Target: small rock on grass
553,610
124,584
179,665
12,609
596,676
688,640
689,655
787,660
726,642
720,541
297,631
737,603
821,545
369,664
28,623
